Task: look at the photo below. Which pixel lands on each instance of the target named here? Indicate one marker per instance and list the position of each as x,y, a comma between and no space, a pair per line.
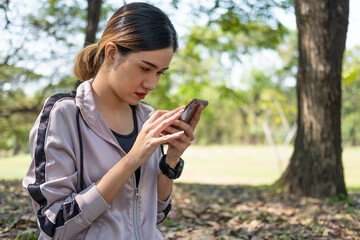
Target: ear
110,52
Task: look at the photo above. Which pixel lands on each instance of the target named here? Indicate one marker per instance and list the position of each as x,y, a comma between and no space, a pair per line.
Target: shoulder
59,106
56,121
60,101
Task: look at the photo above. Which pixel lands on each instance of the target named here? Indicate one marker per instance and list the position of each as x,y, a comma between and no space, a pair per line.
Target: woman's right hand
151,136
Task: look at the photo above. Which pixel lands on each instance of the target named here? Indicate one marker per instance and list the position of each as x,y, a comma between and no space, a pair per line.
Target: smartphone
191,108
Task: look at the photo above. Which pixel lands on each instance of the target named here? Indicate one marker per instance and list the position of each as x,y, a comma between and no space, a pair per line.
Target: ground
219,212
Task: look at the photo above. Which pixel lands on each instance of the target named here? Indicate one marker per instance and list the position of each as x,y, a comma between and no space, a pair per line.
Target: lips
141,95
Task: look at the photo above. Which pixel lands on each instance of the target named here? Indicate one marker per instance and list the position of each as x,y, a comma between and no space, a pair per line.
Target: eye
145,69
160,73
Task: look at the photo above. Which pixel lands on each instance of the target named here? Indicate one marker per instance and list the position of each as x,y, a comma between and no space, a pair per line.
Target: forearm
114,180
165,184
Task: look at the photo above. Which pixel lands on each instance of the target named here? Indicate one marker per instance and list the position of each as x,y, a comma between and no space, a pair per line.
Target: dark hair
134,27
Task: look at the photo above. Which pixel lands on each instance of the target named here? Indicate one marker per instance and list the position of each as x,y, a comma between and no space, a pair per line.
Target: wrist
130,162
171,172
172,162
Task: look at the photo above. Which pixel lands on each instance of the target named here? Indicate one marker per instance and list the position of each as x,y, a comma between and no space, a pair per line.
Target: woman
96,154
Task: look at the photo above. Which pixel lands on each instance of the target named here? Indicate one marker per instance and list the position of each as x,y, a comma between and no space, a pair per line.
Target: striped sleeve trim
165,213
68,210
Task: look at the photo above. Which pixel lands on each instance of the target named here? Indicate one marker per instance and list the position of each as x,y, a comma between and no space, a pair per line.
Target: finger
170,137
167,119
186,138
159,115
194,121
156,115
181,142
189,132
180,147
173,128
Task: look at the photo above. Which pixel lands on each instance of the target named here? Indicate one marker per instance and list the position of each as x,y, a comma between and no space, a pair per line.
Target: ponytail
87,63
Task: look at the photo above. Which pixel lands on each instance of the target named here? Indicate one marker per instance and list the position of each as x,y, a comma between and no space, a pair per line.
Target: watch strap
172,173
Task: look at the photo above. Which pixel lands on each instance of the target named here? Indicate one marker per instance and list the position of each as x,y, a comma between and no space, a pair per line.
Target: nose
150,83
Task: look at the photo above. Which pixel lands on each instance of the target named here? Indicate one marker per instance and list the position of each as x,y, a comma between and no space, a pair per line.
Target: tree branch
5,7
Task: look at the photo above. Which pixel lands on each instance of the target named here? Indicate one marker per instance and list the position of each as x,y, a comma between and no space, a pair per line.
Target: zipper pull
137,193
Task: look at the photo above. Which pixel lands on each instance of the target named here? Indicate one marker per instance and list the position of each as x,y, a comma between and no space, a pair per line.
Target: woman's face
137,74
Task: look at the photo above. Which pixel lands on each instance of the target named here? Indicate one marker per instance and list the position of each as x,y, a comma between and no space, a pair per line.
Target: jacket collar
91,114
93,117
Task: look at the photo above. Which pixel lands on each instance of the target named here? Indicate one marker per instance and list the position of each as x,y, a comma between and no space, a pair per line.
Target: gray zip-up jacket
63,209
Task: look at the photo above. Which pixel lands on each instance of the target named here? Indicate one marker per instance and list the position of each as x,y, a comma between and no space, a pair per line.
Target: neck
105,98
117,113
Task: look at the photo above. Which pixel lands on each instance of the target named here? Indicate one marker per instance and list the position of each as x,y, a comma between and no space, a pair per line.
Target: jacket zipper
136,197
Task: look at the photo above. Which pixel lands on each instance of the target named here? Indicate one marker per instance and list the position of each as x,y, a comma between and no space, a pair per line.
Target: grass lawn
14,167
253,165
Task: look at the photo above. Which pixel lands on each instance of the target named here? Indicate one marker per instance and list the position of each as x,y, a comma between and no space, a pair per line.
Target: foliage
351,97
17,109
43,42
231,31
42,38
235,115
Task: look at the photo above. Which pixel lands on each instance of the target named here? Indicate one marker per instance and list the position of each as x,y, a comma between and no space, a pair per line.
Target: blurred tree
315,167
56,27
197,70
351,97
93,17
38,39
229,31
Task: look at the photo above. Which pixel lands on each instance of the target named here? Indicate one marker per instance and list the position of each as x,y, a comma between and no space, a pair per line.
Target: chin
131,100
134,102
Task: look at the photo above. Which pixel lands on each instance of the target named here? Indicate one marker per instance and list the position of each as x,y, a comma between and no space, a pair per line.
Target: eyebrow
153,65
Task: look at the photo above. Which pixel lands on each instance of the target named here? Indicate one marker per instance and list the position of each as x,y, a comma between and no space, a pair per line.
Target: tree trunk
94,10
315,167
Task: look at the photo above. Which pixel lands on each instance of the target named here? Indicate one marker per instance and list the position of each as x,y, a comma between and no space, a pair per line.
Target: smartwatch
169,171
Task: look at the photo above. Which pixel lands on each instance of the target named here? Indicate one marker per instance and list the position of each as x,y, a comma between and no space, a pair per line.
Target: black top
127,141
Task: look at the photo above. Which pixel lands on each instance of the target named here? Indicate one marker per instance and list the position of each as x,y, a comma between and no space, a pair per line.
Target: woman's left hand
177,147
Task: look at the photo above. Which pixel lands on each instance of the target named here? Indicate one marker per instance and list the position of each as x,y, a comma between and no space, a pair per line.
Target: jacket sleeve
51,180
163,207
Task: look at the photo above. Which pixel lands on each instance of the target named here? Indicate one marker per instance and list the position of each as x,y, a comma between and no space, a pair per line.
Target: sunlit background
245,135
